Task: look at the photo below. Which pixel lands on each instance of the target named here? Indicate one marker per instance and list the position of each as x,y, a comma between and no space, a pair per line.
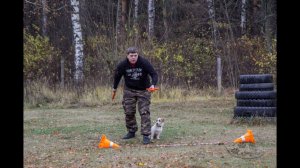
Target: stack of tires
256,96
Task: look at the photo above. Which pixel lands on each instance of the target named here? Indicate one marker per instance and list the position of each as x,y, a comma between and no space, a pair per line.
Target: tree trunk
135,21
231,54
124,14
211,12
166,34
243,17
78,42
151,15
44,20
267,25
118,31
255,6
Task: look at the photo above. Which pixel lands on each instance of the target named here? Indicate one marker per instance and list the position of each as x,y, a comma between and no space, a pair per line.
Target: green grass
69,137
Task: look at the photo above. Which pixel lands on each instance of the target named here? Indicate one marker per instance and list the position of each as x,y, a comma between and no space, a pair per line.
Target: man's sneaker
129,135
146,139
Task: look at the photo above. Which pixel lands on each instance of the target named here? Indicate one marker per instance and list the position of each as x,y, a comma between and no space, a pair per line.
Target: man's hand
152,88
114,94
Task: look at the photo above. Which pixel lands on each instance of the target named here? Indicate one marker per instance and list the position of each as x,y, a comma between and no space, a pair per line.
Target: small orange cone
248,137
106,143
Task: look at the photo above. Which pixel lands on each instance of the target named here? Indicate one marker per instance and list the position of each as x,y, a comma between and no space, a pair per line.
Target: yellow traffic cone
106,143
248,137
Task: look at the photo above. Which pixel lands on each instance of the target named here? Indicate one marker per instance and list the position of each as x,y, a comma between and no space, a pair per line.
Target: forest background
72,47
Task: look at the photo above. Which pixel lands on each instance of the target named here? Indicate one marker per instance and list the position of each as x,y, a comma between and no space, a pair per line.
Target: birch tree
151,14
78,43
211,12
243,17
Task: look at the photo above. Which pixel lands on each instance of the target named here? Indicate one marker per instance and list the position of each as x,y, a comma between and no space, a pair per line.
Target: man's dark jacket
136,76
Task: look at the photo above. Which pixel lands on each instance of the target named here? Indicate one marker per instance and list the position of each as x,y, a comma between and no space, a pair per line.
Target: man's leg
129,105
144,98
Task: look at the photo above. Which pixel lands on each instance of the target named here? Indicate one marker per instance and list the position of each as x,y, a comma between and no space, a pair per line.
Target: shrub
40,58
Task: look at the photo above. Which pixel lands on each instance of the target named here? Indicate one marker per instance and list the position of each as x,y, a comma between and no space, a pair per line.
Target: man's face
132,57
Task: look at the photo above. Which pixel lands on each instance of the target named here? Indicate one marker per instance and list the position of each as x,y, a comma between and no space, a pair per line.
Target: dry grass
69,137
41,95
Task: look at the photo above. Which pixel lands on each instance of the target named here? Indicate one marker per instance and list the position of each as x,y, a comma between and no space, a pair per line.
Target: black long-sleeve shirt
136,76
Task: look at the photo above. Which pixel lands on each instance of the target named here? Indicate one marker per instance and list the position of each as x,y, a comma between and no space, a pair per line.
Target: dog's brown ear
162,120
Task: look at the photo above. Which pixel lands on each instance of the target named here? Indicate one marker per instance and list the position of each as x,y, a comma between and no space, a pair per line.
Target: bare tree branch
48,9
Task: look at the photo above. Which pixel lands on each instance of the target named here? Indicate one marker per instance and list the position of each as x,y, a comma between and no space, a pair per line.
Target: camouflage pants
142,99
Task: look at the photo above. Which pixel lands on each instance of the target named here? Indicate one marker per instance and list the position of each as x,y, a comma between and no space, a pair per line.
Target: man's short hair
132,50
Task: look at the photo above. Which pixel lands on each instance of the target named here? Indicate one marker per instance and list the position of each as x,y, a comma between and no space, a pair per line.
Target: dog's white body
157,128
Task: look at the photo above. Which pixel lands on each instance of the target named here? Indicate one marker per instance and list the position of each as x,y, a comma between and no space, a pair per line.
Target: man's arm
152,73
117,77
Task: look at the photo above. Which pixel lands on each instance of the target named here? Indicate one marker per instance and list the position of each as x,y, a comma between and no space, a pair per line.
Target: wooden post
219,75
62,72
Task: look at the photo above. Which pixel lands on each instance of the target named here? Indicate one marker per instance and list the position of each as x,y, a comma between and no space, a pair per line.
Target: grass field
69,137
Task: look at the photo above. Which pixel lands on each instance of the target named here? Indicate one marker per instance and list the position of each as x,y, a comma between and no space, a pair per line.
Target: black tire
257,87
255,111
256,78
255,95
257,103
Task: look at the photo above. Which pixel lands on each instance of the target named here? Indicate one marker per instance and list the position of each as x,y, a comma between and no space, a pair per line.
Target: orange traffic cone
106,143
248,137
